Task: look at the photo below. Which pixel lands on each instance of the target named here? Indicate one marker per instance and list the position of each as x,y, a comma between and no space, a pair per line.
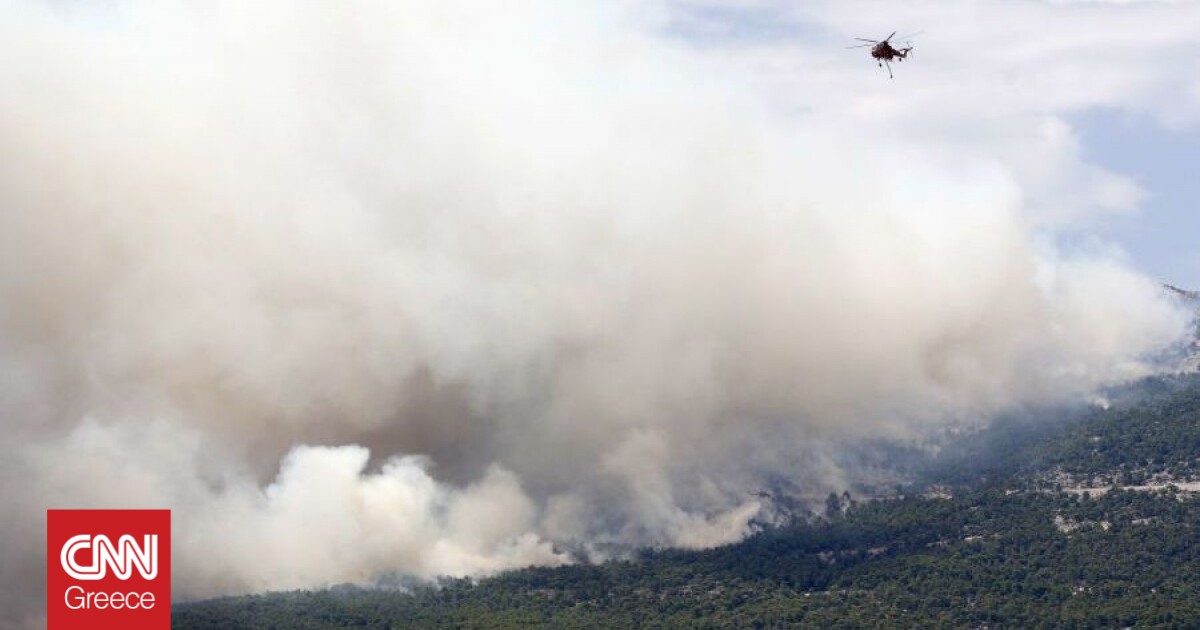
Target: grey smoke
447,288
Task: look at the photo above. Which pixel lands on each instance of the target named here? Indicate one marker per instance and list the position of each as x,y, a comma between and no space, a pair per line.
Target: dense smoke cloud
447,288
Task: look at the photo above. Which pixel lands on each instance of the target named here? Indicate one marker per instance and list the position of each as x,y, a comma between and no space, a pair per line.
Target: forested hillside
1083,522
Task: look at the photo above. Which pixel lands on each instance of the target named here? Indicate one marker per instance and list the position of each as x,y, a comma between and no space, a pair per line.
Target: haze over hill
1078,519
446,288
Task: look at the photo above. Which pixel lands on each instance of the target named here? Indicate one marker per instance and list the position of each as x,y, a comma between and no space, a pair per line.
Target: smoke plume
446,288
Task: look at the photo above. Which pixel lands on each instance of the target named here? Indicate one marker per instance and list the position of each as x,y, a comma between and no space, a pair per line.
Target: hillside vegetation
1087,522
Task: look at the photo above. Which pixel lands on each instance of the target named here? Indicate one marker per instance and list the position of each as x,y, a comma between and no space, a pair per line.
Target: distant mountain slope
1072,524
1191,295
1189,359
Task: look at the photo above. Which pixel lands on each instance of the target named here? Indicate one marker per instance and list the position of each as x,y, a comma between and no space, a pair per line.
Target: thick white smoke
439,287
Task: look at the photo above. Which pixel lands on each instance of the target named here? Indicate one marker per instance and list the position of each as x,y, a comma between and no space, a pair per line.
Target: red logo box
108,569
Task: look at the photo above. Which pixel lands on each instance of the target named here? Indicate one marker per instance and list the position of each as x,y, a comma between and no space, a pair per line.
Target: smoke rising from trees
447,288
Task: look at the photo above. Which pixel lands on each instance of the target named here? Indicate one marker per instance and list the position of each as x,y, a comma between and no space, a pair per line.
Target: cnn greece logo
108,569
123,557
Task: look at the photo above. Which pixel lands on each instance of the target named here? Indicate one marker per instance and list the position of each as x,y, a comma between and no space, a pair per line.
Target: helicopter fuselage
884,52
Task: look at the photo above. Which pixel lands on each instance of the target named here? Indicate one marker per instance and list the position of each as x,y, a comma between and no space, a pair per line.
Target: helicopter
884,52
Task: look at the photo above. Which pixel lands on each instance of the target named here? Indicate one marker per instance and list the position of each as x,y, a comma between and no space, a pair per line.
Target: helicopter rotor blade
863,39
890,36
859,46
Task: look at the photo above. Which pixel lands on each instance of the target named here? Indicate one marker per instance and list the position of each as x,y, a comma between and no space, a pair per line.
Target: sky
443,287
1115,75
1161,236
